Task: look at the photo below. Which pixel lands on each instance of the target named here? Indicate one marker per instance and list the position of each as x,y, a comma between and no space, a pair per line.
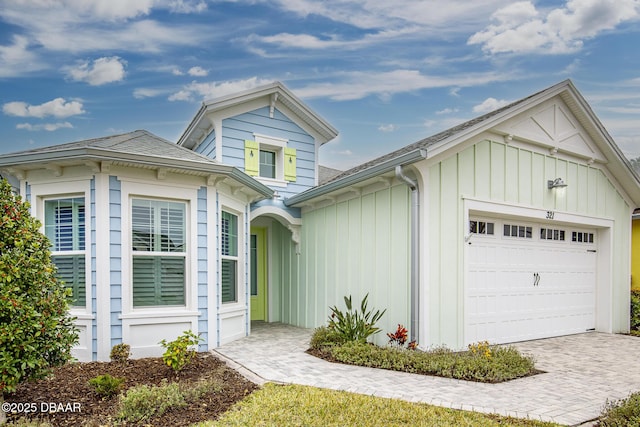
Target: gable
551,124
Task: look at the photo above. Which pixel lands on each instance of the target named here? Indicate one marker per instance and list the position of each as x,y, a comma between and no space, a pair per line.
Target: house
635,250
512,226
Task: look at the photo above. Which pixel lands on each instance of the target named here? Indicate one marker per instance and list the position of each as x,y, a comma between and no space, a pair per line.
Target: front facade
465,236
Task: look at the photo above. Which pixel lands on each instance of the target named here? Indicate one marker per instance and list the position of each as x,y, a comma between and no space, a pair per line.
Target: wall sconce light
556,183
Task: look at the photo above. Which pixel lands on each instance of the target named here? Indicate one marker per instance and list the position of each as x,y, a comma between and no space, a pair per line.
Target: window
270,158
581,237
481,227
267,164
158,239
229,255
64,225
551,234
517,231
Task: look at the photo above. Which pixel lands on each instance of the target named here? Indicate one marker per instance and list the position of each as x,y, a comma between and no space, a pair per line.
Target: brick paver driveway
582,372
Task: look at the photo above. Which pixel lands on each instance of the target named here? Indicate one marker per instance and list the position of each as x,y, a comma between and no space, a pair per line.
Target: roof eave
360,176
100,155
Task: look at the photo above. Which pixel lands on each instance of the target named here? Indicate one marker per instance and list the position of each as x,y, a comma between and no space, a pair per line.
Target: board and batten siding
237,129
497,172
355,247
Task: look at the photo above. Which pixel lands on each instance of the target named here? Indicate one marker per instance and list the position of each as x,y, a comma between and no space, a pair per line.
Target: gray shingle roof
429,141
137,143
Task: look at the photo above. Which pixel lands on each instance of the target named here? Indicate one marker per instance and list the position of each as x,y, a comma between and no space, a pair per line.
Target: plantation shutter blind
159,257
65,227
229,253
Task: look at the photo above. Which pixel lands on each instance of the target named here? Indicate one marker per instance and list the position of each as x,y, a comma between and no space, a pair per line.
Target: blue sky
384,73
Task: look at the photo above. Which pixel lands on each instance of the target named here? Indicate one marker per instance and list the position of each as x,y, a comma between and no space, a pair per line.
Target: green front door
258,273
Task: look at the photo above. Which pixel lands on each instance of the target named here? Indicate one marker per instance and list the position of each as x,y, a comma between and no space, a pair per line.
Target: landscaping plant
399,338
355,325
635,312
179,352
106,385
36,331
622,413
120,353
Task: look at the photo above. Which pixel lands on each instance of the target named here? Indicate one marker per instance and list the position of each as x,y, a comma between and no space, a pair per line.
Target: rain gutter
415,251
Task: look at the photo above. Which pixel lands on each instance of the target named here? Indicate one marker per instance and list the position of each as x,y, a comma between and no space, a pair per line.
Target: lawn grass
295,405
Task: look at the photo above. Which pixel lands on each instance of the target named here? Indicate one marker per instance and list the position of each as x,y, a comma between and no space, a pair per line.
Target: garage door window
481,227
552,234
580,237
520,231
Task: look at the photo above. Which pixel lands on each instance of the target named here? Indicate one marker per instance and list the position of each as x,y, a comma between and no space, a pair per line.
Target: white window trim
276,145
134,190
51,191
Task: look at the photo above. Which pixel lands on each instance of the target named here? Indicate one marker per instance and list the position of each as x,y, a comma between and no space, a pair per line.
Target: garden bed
68,385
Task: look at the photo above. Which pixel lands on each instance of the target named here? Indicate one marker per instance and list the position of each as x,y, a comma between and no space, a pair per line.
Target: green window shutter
229,280
290,164
251,158
158,280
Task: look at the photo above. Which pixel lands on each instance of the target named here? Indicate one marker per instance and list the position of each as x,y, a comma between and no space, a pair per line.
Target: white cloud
58,107
520,28
100,71
197,72
387,128
187,6
177,72
447,111
489,104
213,90
50,127
16,58
357,85
141,93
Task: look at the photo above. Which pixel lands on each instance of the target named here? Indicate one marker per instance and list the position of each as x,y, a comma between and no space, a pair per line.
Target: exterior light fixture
556,183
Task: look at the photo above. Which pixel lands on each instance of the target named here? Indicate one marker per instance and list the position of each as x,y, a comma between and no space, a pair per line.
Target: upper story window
65,226
158,240
267,164
271,159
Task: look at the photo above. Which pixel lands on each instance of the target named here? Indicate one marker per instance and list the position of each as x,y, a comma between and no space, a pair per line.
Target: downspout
415,251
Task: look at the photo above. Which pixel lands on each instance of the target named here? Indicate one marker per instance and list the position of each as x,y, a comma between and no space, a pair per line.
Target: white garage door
526,280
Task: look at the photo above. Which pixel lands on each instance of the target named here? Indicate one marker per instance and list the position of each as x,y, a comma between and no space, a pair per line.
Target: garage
528,280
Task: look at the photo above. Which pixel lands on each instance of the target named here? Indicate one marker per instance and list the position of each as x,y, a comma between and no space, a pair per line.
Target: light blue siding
208,146
242,127
115,258
203,327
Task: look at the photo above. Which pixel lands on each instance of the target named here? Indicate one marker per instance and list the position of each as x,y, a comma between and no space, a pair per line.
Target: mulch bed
68,385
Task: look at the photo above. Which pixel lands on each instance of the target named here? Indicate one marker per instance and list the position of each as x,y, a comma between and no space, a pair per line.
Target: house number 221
550,214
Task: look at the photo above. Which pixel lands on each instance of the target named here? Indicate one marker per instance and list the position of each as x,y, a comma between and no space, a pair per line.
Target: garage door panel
526,288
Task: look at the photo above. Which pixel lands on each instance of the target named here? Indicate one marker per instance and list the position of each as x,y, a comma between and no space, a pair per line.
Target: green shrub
120,353
488,365
355,325
36,331
143,402
635,310
106,385
324,337
178,353
622,413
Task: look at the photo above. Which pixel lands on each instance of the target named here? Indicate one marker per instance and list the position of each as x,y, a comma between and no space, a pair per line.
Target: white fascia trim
273,211
537,214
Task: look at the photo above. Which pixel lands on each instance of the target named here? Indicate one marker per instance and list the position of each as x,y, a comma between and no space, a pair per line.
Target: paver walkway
582,372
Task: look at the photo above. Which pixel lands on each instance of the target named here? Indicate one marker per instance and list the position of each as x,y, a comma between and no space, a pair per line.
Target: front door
258,273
